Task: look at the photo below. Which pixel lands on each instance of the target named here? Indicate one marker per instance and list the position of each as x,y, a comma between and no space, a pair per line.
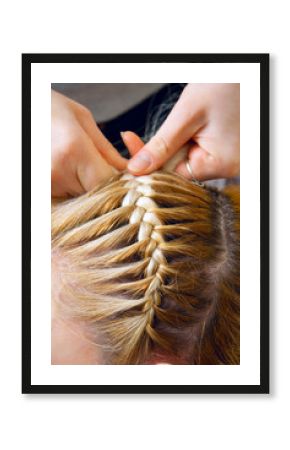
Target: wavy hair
152,263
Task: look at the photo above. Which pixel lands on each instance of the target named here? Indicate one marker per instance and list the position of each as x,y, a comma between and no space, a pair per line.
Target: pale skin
81,156
206,118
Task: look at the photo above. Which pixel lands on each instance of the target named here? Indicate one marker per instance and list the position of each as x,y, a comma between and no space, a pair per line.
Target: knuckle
64,153
66,147
159,147
85,112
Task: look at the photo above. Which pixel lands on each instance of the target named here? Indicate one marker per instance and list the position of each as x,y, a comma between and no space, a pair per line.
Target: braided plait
151,263
138,195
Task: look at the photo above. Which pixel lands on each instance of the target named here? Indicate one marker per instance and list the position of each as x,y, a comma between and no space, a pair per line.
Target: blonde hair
153,263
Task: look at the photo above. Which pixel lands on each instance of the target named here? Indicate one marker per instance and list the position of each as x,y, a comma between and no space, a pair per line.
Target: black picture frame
263,61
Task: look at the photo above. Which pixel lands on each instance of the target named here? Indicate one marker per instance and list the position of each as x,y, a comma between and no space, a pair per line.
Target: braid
138,195
149,262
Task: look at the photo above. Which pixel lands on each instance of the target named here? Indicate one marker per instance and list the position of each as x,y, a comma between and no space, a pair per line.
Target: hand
81,155
207,117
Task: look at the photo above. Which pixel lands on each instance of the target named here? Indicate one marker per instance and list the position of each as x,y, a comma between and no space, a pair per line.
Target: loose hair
152,262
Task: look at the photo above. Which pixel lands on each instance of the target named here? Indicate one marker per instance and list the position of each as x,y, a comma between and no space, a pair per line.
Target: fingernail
122,133
140,162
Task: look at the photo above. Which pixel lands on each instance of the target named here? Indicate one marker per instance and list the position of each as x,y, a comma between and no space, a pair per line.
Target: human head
149,267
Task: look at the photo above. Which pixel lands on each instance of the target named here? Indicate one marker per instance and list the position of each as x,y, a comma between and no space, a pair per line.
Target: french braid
138,196
149,261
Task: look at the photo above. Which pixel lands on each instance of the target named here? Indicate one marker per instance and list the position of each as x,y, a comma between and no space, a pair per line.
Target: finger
132,141
93,169
65,189
108,151
203,165
58,191
65,183
179,127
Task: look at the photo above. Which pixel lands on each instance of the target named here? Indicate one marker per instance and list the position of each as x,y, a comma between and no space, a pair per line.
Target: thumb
179,127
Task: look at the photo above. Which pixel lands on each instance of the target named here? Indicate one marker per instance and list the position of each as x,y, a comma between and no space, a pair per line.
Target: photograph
145,260
141,222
